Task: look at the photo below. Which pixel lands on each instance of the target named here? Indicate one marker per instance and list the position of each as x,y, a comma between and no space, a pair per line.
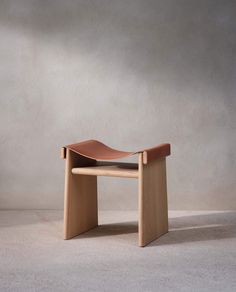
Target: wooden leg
80,200
153,209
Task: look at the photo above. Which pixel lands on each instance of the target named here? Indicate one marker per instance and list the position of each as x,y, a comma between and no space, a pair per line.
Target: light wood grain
153,210
63,153
117,170
80,199
140,199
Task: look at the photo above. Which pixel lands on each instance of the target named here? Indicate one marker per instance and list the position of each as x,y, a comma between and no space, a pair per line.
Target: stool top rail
116,169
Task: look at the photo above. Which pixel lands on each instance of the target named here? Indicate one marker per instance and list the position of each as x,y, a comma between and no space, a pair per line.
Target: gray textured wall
131,73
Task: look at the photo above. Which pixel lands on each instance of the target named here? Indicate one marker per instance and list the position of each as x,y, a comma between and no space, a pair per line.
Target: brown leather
159,151
96,150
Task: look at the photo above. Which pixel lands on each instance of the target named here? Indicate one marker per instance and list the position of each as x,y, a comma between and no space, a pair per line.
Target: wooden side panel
153,209
80,200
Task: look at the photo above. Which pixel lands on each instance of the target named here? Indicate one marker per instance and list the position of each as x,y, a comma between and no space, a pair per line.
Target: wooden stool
89,159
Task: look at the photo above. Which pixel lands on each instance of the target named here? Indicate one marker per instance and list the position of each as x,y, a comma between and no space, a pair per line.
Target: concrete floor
198,254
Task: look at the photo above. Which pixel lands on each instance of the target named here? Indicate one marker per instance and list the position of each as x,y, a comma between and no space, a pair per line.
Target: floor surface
198,254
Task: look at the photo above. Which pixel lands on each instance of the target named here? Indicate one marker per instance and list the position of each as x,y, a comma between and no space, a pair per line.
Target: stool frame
80,194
